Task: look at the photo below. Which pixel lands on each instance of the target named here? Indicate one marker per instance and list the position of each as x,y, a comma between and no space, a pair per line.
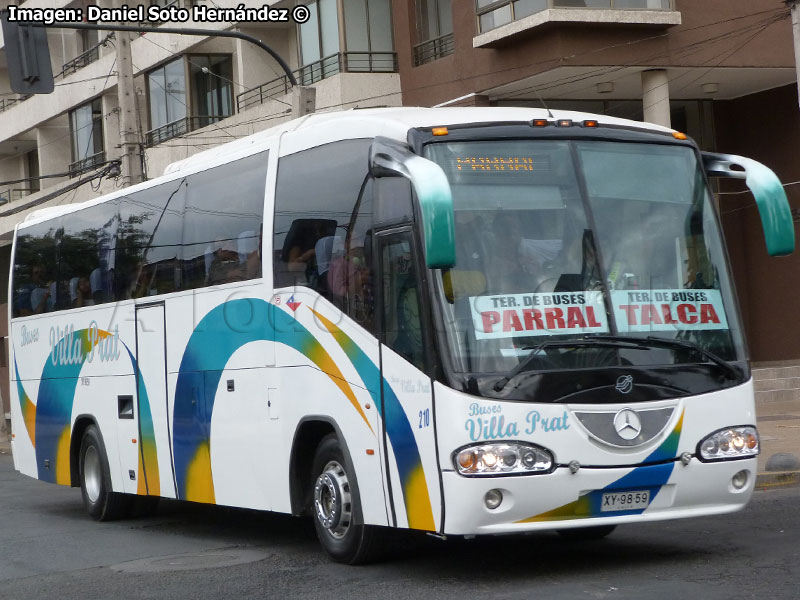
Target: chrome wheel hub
92,474
332,500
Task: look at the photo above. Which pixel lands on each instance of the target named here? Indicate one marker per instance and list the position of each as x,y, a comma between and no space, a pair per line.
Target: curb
773,479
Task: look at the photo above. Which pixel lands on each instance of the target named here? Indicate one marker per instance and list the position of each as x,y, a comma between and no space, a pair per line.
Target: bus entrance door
407,390
151,376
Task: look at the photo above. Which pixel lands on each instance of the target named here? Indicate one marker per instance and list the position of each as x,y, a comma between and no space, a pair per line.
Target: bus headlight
502,458
729,443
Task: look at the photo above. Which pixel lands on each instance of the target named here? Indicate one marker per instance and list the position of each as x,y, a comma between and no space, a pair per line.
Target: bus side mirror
773,206
389,158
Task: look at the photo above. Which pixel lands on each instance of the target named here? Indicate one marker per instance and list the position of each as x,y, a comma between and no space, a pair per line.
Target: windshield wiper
582,342
617,341
652,341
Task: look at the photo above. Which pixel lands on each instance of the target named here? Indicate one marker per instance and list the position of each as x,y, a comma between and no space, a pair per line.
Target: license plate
625,501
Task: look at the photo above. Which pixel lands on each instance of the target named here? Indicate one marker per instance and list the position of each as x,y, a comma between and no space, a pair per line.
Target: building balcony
434,49
178,128
12,194
6,103
501,20
84,59
342,62
79,167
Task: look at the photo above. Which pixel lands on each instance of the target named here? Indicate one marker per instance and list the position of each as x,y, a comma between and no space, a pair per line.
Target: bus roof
321,128
388,122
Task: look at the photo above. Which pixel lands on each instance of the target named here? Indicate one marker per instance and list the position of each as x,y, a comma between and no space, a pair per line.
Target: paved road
50,549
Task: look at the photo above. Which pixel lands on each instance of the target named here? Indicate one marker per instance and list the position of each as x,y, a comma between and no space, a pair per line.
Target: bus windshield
581,254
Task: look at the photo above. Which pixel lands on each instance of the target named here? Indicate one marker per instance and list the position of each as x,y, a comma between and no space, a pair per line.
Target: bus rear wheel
100,501
334,506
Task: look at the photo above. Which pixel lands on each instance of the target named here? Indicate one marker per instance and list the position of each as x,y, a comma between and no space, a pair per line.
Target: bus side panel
69,364
218,356
329,370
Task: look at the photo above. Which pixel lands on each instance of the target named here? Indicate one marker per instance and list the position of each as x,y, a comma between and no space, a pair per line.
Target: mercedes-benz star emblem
627,424
624,384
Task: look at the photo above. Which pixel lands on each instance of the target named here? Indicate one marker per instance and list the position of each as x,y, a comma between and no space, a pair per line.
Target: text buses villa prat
464,321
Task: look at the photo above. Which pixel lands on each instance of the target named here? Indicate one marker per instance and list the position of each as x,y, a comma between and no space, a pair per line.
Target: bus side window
223,222
148,239
402,322
86,257
35,282
316,192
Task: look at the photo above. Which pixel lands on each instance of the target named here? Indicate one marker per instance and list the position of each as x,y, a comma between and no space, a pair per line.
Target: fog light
492,499
739,480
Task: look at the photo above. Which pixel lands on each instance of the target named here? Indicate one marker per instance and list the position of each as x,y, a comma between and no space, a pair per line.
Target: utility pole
304,100
126,92
793,4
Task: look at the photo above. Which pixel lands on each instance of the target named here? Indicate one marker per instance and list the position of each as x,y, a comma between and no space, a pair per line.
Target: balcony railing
9,195
180,127
86,164
342,62
6,103
431,50
495,13
85,58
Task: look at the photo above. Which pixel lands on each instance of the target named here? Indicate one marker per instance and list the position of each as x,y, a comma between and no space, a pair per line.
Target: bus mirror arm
390,158
773,206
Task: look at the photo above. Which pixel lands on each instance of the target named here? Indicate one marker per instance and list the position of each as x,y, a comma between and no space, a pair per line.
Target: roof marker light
678,135
540,123
564,123
439,131
590,123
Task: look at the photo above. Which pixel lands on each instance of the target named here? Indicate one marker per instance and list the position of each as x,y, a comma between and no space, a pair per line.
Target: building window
434,30
167,90
86,132
212,88
368,45
319,42
32,164
368,35
173,112
494,13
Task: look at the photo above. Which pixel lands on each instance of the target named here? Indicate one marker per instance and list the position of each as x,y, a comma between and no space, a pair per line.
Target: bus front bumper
596,496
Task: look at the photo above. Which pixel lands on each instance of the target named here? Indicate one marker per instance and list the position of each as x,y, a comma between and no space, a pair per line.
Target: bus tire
584,534
100,501
334,504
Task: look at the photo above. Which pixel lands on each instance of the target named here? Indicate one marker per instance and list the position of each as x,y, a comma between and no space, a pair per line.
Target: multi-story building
723,71
192,92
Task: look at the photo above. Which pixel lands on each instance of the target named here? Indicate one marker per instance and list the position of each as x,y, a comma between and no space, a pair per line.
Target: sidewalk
778,421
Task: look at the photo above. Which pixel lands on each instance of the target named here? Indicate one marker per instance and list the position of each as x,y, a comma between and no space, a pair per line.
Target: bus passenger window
402,323
316,193
222,227
35,285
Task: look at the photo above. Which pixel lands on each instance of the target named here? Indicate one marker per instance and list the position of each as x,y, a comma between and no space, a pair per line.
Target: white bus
464,321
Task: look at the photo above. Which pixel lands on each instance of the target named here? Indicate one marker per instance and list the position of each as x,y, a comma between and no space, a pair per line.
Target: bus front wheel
334,505
100,501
